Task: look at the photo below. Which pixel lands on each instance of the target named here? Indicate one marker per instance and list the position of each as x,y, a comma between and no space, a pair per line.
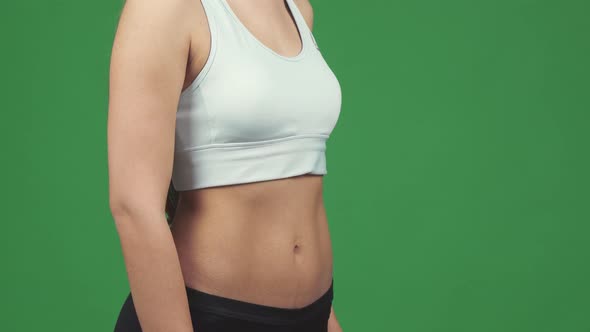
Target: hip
211,312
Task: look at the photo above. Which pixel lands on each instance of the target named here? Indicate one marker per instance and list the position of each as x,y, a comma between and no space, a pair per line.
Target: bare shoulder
306,10
172,14
153,22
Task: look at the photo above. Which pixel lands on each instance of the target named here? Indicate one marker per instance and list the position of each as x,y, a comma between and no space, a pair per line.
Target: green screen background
458,189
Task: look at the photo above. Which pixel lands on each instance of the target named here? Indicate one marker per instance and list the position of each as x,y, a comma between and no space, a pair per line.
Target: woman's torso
264,242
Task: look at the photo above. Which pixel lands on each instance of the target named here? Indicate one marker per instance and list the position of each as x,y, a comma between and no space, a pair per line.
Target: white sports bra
252,114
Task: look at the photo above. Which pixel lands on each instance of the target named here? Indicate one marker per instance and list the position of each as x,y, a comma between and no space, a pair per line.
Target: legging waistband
257,312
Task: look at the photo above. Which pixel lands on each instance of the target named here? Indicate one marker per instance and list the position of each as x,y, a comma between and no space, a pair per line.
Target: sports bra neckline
298,26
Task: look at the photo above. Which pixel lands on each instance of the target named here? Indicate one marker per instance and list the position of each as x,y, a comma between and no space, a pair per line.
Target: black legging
213,313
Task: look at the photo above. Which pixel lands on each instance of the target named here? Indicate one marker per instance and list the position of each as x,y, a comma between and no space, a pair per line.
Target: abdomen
266,242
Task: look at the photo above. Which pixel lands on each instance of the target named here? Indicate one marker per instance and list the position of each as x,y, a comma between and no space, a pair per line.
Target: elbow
134,222
121,208
129,212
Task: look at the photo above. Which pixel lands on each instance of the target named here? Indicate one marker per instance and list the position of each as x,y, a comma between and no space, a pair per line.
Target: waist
265,242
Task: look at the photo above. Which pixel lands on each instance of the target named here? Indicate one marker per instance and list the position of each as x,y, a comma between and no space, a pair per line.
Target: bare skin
265,242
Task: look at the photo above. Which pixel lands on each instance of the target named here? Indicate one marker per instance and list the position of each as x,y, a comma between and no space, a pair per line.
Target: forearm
333,325
154,274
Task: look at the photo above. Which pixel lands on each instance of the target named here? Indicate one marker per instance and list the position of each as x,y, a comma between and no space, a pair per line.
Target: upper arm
147,70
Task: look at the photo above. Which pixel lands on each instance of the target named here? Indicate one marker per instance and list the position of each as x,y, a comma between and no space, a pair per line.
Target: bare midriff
264,242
